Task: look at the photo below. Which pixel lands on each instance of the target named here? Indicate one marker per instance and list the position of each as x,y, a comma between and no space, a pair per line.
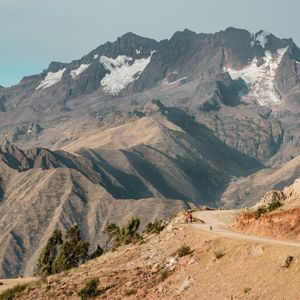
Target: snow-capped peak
75,73
260,77
51,79
261,38
123,70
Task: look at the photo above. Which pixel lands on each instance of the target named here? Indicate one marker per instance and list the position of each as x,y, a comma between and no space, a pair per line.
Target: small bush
90,290
155,227
128,233
130,292
111,228
219,254
247,290
183,251
10,294
163,275
48,288
98,252
274,204
260,211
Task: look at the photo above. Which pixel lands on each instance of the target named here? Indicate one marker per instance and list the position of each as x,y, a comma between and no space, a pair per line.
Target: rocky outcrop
288,74
276,215
281,224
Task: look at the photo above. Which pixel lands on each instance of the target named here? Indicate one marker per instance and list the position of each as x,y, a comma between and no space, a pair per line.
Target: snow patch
260,76
51,79
262,38
252,43
138,51
123,70
96,56
75,73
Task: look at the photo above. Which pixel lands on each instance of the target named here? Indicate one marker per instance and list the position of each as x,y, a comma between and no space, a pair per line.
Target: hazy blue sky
35,32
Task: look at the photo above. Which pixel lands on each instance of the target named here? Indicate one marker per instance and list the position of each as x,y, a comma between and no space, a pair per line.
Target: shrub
155,227
260,211
219,254
128,233
90,290
73,251
111,231
247,290
130,292
163,275
112,228
10,294
98,252
59,255
48,254
274,204
183,251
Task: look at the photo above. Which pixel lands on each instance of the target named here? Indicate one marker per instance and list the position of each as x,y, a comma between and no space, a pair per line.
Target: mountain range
146,128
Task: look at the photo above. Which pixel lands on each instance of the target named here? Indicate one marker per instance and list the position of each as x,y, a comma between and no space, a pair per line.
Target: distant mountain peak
131,35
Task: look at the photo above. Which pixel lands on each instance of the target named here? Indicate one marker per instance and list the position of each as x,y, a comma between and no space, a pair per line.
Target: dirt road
217,222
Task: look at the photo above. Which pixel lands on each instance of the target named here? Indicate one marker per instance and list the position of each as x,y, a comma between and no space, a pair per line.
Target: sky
35,32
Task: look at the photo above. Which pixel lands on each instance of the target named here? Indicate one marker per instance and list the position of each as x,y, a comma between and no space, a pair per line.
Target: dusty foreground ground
9,283
218,268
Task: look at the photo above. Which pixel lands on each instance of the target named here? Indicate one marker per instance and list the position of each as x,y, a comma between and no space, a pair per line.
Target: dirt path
219,221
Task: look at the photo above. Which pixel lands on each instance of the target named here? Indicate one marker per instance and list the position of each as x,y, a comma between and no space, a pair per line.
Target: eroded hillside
216,268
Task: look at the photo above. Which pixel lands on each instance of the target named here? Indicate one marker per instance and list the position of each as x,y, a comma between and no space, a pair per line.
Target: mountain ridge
137,124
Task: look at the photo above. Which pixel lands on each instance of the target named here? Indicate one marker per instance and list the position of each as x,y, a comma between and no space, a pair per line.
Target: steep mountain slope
248,190
36,201
135,124
162,156
43,189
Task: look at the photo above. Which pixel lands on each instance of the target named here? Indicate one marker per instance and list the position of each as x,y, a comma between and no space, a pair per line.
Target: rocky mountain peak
55,66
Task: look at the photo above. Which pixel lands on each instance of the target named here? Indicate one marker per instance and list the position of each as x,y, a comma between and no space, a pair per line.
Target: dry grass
132,269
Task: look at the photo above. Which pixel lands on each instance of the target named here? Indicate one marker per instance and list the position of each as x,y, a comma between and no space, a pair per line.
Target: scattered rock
191,261
155,268
1,283
257,251
171,263
160,289
185,284
169,228
129,283
287,262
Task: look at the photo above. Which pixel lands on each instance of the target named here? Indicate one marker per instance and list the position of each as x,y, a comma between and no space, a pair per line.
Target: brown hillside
247,270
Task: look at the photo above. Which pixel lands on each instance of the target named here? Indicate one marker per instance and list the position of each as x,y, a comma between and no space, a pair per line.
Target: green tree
125,235
98,252
155,227
111,231
73,252
128,233
48,254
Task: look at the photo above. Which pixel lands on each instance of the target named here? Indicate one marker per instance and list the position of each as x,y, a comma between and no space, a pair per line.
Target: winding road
219,220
